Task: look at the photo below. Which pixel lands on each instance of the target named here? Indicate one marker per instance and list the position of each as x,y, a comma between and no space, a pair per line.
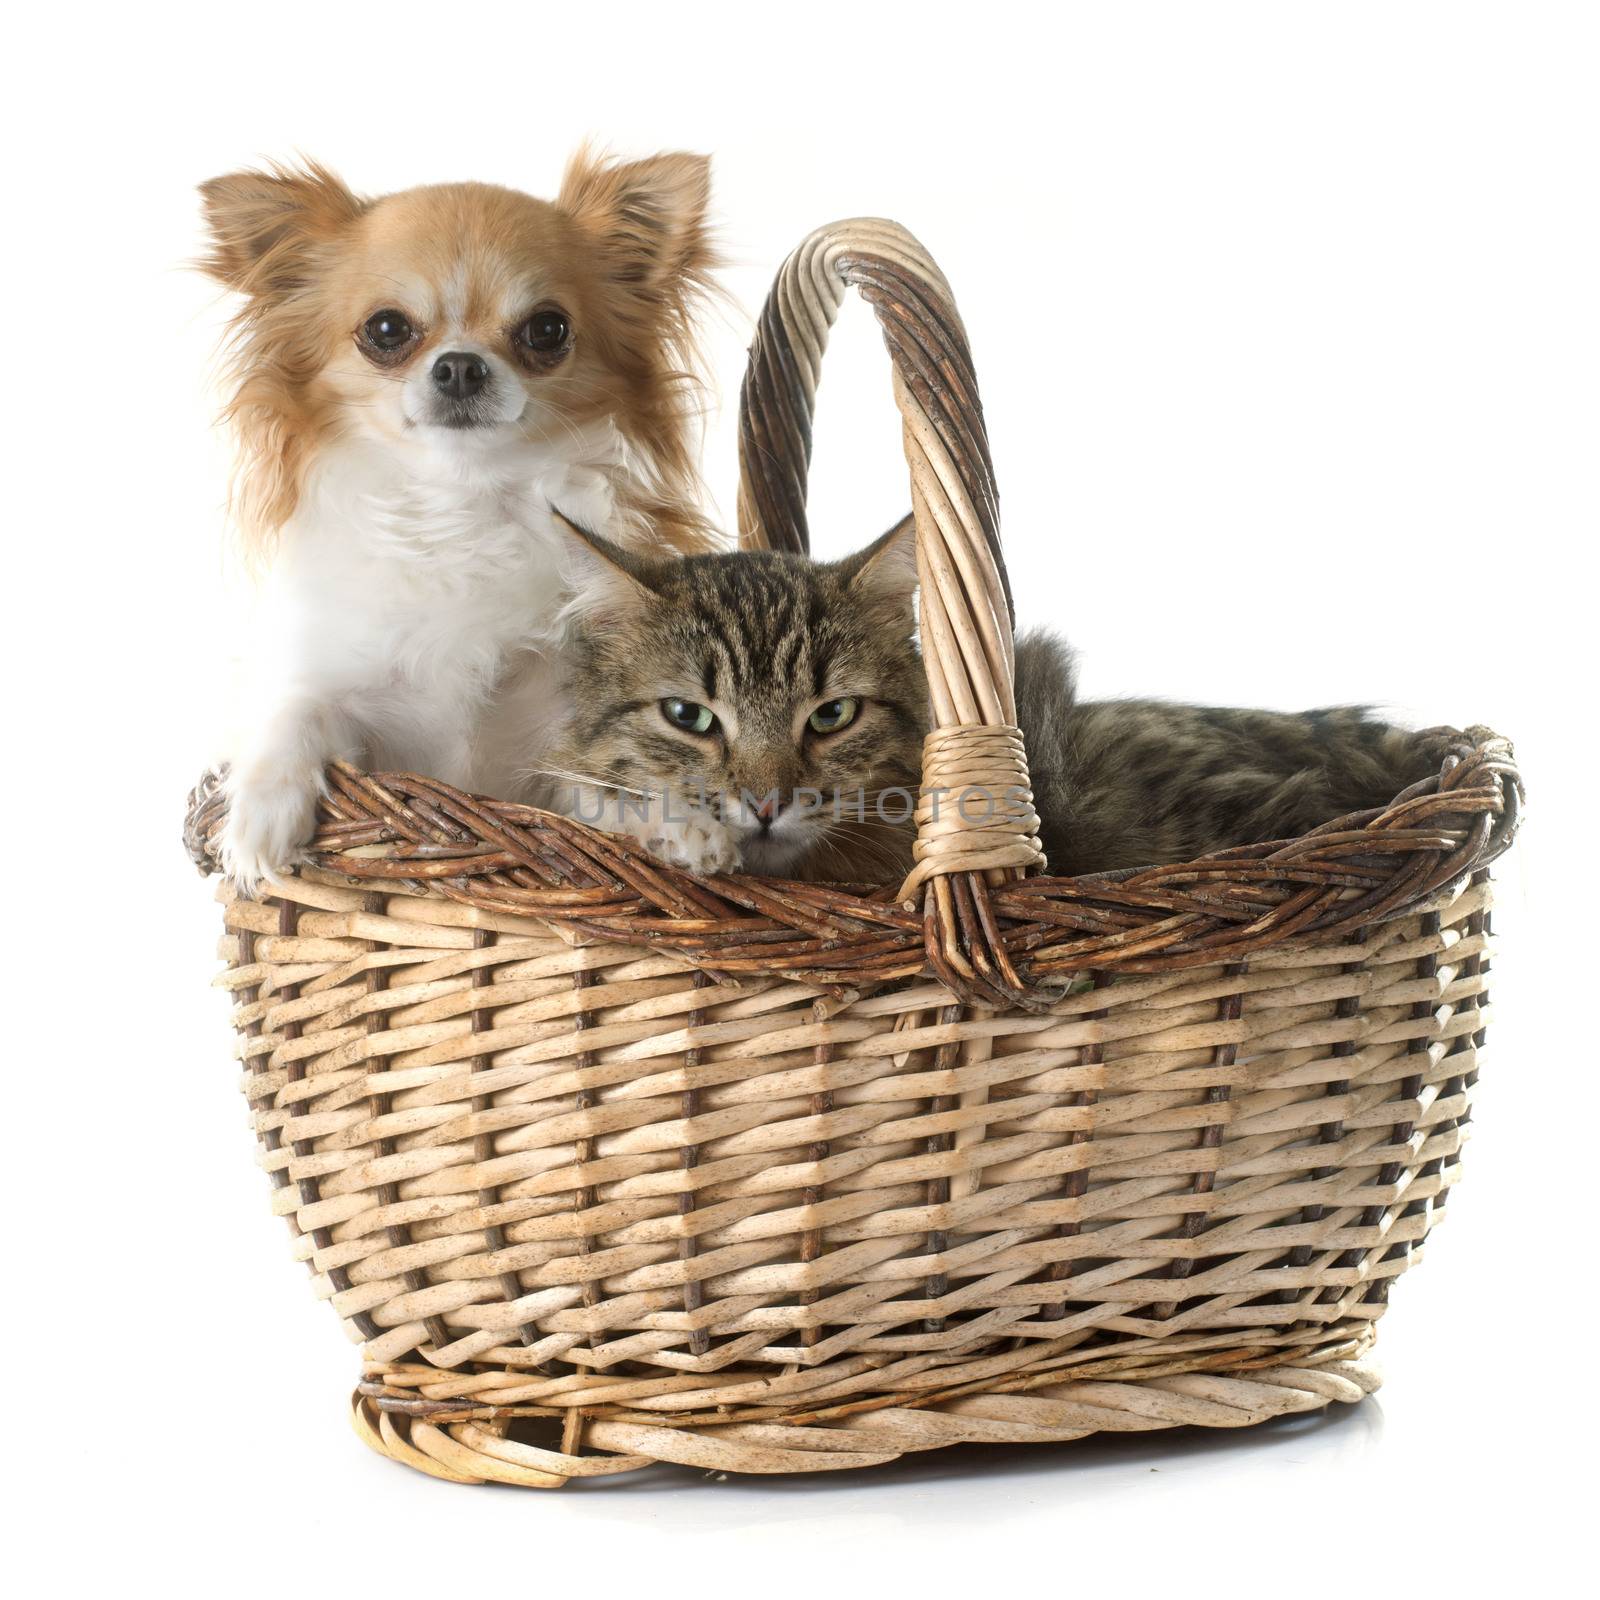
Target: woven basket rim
404,833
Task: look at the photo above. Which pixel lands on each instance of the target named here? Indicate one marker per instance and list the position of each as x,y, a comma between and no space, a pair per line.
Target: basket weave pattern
605,1165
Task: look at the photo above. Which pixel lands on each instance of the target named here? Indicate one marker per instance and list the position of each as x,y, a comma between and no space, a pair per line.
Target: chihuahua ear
650,214
265,226
604,581
887,569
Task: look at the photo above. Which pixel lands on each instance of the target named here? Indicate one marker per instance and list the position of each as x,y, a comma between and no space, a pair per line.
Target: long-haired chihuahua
414,381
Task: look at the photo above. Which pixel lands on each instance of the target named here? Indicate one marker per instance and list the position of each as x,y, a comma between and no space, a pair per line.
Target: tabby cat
764,713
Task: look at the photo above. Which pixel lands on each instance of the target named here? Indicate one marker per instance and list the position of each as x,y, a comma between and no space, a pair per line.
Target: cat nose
768,809
459,374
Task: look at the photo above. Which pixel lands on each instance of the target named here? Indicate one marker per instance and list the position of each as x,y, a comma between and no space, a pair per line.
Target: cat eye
689,715
546,332
387,332
836,714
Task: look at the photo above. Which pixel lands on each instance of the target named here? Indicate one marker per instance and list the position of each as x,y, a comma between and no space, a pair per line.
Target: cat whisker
581,777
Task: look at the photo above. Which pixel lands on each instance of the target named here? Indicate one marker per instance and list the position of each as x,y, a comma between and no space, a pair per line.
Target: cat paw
700,845
269,824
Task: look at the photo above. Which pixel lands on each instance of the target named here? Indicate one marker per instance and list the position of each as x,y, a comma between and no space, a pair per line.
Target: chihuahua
414,380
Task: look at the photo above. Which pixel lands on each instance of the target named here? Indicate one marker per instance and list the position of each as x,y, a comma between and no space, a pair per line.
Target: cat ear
650,217
887,568
604,581
266,227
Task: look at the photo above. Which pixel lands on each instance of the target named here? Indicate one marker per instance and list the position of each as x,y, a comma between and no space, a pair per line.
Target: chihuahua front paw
269,824
698,844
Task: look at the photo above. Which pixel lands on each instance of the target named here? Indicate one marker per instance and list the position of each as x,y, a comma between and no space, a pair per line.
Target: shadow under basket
603,1165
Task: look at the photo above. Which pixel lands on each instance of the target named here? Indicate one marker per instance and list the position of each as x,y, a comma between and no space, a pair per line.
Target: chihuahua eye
388,331
688,715
545,332
836,714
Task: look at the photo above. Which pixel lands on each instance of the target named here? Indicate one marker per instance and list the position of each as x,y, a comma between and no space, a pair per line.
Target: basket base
479,1450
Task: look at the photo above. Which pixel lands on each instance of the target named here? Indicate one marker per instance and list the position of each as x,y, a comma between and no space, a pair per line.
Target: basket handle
975,754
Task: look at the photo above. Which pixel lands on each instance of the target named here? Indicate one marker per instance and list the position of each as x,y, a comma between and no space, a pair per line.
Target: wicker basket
605,1165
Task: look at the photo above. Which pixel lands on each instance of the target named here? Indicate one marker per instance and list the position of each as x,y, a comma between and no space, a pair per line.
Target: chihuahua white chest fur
410,588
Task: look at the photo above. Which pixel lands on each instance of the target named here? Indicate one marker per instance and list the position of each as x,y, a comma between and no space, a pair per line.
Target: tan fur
621,249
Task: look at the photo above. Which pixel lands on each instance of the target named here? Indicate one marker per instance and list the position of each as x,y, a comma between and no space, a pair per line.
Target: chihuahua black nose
460,375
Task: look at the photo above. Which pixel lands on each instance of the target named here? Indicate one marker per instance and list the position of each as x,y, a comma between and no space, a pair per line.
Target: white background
1286,318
